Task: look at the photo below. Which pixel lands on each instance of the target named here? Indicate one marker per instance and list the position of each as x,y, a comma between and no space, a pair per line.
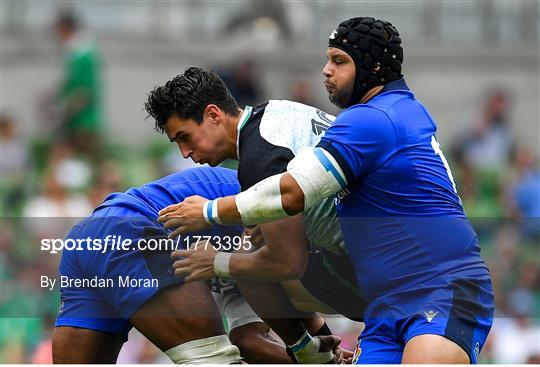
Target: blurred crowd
499,183
59,176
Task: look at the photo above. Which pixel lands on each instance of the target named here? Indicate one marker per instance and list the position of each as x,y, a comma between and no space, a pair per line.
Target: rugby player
198,113
181,319
416,255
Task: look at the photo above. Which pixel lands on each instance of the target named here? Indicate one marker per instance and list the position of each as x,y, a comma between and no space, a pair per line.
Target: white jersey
270,136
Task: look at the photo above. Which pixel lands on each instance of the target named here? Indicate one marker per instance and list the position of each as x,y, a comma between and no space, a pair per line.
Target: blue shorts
124,279
458,309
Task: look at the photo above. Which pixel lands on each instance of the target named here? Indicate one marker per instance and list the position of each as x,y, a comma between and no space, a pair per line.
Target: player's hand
330,343
344,356
320,350
256,236
186,216
196,263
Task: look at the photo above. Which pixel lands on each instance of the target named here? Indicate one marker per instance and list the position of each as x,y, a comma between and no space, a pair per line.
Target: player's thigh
179,314
433,349
76,346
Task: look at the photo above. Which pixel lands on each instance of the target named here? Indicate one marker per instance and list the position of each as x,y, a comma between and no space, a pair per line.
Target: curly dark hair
187,95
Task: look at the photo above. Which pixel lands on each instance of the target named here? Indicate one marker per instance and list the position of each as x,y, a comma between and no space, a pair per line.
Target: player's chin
202,162
337,99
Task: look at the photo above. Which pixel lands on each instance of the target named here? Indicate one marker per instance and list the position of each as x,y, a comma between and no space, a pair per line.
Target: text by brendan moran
96,282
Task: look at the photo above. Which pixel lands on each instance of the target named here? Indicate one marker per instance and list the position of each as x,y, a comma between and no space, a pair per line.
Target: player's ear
212,113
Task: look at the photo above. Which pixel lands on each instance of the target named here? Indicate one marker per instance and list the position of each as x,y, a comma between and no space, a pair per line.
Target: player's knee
177,315
78,346
212,350
247,347
211,325
248,338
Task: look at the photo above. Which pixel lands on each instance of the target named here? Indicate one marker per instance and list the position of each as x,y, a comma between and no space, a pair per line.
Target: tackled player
181,319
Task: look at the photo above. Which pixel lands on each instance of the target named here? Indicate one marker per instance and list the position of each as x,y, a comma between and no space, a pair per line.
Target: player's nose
327,70
185,151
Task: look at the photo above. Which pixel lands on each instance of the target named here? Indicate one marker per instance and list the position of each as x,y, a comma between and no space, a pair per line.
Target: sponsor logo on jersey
341,195
224,286
430,315
320,126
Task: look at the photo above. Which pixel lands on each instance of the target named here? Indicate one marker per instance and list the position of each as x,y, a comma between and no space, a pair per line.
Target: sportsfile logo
159,243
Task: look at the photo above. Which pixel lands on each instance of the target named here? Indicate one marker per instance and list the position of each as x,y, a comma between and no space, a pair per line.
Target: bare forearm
271,303
292,196
228,212
257,345
313,323
261,265
260,347
282,258
269,352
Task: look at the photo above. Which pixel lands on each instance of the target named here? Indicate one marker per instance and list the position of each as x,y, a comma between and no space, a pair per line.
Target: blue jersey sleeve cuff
327,145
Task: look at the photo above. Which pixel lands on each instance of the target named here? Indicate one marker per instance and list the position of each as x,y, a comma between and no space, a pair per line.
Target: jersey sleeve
360,140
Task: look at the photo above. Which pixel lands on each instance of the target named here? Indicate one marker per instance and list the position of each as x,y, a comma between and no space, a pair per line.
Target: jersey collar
395,85
243,119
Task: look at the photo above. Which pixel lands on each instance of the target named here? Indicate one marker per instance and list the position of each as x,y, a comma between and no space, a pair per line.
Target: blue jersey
132,215
150,198
400,213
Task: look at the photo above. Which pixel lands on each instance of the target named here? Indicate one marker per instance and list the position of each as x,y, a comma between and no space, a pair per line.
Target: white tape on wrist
306,350
301,343
205,211
210,212
221,264
215,215
261,203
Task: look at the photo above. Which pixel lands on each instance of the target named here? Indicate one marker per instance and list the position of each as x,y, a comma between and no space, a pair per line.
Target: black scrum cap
375,47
